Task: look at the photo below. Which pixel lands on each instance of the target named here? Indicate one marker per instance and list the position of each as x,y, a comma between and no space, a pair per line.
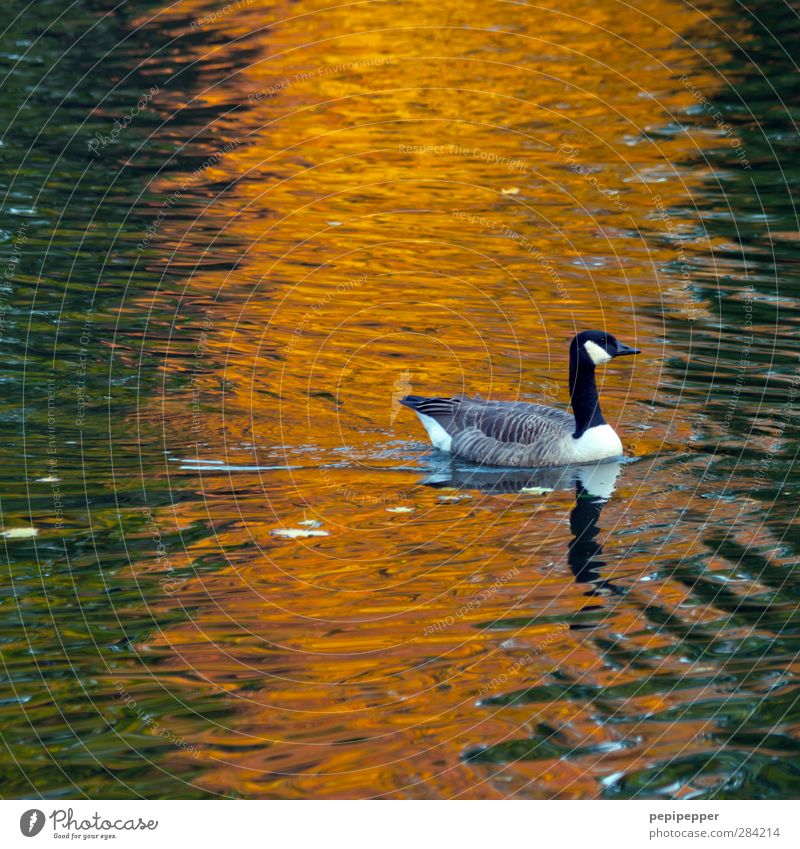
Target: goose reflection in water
594,485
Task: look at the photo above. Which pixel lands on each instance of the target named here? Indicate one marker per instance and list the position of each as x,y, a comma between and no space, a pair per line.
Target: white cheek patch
598,354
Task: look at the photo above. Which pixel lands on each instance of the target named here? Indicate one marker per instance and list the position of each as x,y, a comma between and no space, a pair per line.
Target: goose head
594,348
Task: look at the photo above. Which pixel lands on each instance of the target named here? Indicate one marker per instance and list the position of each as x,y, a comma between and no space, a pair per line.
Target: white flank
597,443
598,354
440,438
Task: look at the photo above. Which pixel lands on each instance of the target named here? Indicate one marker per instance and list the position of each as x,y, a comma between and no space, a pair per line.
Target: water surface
306,212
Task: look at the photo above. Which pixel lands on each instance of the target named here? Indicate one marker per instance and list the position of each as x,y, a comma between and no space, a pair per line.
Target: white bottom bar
400,824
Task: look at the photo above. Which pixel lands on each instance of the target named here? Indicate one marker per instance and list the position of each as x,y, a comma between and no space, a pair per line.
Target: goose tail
434,413
442,407
414,402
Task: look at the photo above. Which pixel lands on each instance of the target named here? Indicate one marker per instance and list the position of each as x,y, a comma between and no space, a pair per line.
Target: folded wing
498,432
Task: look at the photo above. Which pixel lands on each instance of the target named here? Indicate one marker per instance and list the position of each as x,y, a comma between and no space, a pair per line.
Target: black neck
583,394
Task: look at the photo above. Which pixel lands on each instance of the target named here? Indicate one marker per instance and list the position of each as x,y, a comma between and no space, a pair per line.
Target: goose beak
624,350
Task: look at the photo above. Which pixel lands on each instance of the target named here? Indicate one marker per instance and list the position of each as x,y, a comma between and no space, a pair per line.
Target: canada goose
513,433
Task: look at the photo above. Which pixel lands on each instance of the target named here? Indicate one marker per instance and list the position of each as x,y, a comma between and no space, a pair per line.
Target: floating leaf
513,190
297,533
20,533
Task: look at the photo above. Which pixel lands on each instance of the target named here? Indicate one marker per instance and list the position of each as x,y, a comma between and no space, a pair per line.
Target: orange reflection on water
427,198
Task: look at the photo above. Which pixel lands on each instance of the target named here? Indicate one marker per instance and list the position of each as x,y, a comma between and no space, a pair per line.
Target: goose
522,435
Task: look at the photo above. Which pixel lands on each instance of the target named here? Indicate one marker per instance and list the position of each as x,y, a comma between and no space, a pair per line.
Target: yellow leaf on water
20,533
298,533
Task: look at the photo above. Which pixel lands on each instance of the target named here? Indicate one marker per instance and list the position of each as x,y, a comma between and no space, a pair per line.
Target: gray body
515,434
